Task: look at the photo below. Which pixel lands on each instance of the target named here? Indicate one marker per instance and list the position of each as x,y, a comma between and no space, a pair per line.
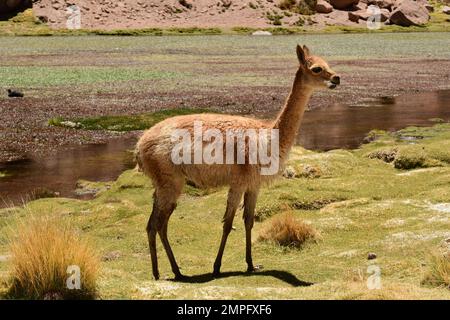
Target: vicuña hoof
179,277
256,268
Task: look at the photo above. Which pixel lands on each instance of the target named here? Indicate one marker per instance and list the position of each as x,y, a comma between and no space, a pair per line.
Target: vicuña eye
316,69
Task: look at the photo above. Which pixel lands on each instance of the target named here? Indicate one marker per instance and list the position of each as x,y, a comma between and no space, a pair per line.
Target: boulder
355,16
10,6
409,13
426,4
323,7
382,4
385,14
343,4
446,10
359,6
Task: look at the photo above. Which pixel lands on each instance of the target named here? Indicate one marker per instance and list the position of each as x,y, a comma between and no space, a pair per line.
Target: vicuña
154,149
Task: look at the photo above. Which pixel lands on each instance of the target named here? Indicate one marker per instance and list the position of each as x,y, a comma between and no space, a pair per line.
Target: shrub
410,158
287,4
387,155
306,7
41,255
438,274
274,18
287,231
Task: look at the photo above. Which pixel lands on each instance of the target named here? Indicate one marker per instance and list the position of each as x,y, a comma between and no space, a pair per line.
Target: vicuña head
316,71
155,150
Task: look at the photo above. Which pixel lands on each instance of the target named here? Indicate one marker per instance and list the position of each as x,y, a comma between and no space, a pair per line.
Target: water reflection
337,126
345,126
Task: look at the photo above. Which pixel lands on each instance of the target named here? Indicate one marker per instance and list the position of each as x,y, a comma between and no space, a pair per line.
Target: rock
261,33
113,255
359,6
371,256
382,4
343,4
409,13
14,6
356,15
323,7
385,14
446,10
426,4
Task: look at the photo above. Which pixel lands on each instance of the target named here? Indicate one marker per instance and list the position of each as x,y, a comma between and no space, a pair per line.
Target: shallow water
337,126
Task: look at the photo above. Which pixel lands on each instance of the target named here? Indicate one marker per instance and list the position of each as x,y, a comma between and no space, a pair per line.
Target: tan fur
154,158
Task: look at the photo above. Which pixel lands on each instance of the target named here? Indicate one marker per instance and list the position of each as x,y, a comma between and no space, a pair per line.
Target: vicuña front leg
234,198
250,198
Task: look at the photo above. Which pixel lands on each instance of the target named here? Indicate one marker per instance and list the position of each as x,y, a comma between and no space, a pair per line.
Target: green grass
358,204
125,122
32,76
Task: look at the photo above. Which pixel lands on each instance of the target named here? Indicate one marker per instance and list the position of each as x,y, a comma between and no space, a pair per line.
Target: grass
32,76
125,122
357,204
286,231
42,251
439,270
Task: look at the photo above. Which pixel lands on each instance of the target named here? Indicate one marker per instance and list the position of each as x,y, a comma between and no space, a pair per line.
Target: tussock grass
438,274
286,231
41,253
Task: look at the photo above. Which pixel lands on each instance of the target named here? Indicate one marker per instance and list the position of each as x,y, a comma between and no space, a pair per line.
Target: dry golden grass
41,252
438,274
285,230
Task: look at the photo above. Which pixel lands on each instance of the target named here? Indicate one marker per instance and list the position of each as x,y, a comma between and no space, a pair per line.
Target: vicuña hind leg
234,197
249,219
152,228
165,202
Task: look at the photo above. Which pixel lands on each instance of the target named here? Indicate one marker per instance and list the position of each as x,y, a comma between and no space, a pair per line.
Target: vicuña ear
301,55
306,51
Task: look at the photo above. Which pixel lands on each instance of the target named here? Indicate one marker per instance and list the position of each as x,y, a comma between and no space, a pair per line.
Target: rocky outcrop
409,13
355,16
343,4
446,10
323,7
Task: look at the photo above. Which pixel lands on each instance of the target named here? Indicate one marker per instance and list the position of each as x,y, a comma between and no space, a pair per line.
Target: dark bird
14,94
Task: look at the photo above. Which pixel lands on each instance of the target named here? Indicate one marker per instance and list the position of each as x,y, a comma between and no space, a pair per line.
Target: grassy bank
25,24
359,202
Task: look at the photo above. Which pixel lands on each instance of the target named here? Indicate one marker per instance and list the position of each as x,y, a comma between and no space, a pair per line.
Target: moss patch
125,122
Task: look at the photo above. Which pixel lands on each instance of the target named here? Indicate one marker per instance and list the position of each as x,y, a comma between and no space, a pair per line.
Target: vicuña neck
290,117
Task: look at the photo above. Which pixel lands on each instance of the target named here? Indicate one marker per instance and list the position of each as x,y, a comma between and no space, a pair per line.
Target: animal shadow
284,276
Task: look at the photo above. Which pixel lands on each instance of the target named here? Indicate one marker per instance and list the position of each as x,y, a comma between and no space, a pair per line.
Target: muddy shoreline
25,131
